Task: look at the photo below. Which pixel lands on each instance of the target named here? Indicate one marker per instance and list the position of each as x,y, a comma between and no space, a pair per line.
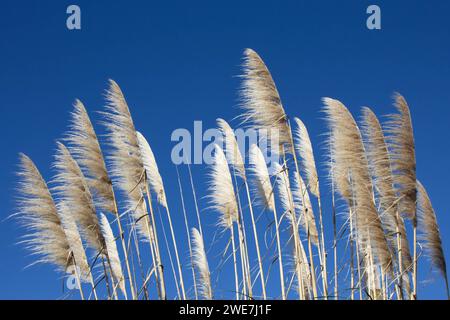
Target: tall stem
280,261
255,235
91,281
352,257
169,253
124,248
195,201
138,255
155,236
358,266
324,252
243,243
400,260
180,273
236,277
106,277
311,260
295,233
414,293
187,233
335,258
77,275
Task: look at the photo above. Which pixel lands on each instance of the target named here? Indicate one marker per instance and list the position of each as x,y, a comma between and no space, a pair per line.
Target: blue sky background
177,62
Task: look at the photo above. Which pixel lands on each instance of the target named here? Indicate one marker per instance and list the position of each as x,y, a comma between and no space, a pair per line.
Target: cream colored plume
73,190
126,160
305,150
349,157
232,150
85,148
201,265
113,254
291,201
380,164
284,189
259,170
222,196
261,101
301,198
403,156
151,169
74,238
430,232
37,212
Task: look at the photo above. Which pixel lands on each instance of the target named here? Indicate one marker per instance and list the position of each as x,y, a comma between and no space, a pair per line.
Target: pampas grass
72,187
287,203
151,169
232,150
156,183
236,159
113,254
201,265
222,198
373,170
302,200
261,101
47,238
430,232
304,148
221,190
128,170
349,157
380,163
85,148
266,199
403,155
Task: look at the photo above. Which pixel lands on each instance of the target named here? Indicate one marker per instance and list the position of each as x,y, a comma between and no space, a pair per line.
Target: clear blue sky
177,62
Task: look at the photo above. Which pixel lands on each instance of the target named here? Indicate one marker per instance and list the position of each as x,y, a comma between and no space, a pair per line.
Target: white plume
305,150
222,196
113,253
151,168
259,170
201,265
232,151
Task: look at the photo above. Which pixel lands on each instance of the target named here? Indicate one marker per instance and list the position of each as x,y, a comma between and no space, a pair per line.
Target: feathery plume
113,254
38,213
126,160
403,156
74,239
259,170
305,150
298,202
380,164
350,159
151,169
221,189
261,101
430,231
232,151
201,265
284,189
85,148
74,192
